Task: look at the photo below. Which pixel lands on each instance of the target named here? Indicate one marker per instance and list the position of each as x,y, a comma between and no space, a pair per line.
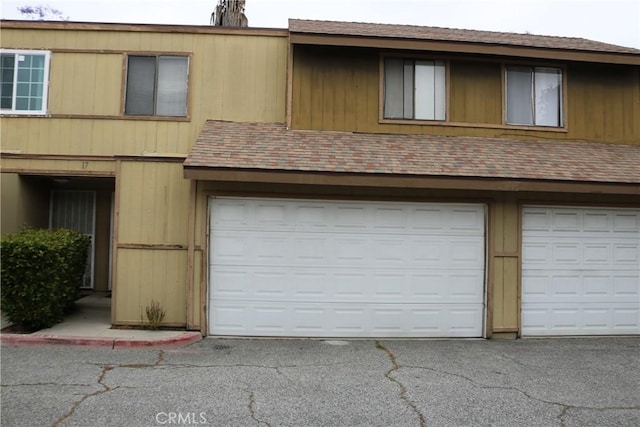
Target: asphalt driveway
536,382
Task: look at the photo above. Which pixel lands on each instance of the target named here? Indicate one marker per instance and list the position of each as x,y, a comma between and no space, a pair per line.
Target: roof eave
141,28
205,173
464,47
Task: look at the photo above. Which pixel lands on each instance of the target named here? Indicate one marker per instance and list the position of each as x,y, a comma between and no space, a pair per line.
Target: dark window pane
22,104
141,76
8,60
24,74
22,89
520,95
393,88
37,61
5,102
35,104
408,89
6,90
36,89
7,75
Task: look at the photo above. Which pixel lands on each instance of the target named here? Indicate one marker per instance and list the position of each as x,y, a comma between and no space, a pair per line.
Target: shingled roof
271,147
413,32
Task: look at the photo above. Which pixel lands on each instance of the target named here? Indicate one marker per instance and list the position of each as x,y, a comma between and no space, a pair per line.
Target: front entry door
76,210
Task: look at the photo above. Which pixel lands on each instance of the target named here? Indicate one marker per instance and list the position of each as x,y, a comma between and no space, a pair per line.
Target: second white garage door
580,271
307,268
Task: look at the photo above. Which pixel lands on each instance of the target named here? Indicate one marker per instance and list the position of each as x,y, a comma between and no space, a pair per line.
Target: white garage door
581,271
345,269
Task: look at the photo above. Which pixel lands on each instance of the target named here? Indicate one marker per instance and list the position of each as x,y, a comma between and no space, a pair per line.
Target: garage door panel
340,285
302,249
590,253
581,271
580,286
345,320
628,222
345,217
588,319
334,268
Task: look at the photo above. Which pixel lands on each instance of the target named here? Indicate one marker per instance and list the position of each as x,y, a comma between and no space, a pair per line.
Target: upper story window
534,96
157,85
24,74
414,89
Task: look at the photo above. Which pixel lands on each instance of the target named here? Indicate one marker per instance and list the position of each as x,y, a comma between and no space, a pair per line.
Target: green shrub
41,274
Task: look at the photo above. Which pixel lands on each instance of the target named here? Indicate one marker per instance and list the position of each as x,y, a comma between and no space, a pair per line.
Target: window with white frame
534,96
414,89
24,82
157,85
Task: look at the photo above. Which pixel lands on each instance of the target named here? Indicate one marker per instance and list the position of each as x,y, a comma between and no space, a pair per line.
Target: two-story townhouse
96,122
342,179
428,182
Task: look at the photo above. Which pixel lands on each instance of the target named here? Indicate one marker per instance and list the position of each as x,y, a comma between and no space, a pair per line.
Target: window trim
155,117
563,104
45,81
381,89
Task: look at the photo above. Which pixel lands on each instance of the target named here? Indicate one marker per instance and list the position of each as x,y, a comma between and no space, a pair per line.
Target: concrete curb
24,339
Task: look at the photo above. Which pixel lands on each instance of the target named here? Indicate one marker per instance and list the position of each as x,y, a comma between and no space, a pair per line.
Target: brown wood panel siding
602,105
334,89
505,255
475,92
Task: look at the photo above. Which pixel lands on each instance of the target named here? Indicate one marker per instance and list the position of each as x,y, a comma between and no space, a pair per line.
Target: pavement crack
562,414
252,410
403,389
192,366
74,406
158,362
160,357
45,384
565,407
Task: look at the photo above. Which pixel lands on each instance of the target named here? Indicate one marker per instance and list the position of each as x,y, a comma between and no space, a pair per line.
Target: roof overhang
271,153
463,47
399,181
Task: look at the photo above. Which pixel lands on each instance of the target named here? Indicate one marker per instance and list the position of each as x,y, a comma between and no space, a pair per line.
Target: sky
610,21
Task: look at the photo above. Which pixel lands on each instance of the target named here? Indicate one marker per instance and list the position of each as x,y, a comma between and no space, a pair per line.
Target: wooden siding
232,77
83,83
43,165
151,240
339,89
153,204
23,202
475,90
143,275
504,259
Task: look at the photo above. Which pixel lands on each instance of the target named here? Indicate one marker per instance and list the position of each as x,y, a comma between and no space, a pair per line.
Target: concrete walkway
90,324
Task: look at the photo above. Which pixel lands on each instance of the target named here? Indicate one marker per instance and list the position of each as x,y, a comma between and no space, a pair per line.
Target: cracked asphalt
237,382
